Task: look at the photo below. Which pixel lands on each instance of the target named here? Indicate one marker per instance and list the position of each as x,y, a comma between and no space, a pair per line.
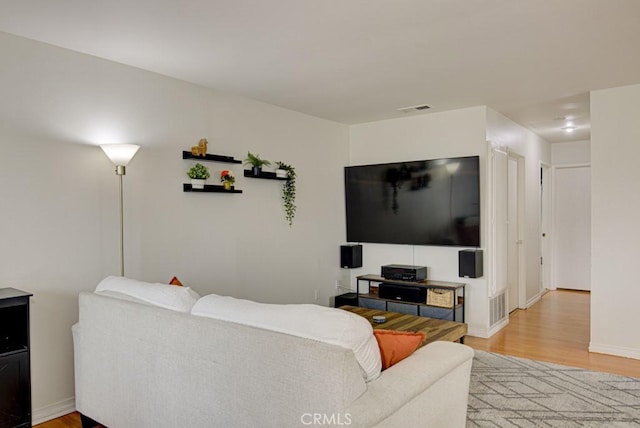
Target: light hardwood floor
556,330
72,420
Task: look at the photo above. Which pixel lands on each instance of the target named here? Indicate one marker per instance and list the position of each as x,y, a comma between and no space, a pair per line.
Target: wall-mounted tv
427,202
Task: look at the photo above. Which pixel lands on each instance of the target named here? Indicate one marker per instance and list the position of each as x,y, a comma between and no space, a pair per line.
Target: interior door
572,227
545,227
513,240
499,281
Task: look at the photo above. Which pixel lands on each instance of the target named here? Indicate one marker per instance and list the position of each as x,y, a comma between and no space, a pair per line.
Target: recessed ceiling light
569,129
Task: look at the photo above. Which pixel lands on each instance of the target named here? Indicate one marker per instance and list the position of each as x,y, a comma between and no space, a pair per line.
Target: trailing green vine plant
288,192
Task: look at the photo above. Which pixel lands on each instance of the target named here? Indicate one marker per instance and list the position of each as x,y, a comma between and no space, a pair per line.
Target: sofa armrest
429,388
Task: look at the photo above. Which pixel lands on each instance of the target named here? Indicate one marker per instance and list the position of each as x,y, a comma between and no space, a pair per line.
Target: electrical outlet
338,285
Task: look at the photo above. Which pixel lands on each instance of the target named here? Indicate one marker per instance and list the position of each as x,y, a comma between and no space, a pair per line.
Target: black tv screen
427,202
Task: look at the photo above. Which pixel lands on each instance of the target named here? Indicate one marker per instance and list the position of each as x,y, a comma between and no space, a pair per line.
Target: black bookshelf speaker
470,263
351,256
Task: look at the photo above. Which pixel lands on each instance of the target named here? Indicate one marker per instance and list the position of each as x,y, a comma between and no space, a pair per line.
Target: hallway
555,330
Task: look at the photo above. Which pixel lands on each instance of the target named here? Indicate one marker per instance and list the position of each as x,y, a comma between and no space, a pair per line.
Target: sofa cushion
166,296
328,325
395,346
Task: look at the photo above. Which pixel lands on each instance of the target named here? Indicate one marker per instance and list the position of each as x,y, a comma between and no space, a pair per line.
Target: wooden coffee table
434,329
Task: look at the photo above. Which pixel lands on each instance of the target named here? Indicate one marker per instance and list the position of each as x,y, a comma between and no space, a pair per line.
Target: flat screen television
427,202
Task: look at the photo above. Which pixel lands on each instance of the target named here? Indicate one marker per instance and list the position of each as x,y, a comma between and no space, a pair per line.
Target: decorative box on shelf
440,298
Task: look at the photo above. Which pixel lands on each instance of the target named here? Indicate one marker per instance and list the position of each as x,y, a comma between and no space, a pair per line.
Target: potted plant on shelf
256,163
198,175
280,172
288,191
227,179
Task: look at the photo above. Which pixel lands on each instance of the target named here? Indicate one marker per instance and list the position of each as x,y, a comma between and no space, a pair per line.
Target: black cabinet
15,372
350,299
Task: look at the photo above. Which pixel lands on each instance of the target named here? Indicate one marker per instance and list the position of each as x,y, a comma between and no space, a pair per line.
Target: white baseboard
496,328
619,351
477,332
535,299
55,410
487,333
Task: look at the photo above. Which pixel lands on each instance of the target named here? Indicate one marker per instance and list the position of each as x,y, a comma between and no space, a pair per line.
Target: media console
444,300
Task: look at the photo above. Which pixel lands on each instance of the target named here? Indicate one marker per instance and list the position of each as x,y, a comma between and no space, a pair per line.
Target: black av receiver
404,272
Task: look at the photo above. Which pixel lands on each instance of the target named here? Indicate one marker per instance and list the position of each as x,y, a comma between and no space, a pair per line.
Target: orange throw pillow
395,346
175,281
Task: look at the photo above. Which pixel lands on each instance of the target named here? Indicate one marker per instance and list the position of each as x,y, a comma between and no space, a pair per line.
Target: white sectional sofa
140,365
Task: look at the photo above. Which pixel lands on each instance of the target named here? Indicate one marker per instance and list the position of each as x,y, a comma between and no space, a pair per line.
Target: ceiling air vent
414,108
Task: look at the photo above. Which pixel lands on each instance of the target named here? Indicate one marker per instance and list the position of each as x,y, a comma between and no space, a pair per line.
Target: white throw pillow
166,296
328,325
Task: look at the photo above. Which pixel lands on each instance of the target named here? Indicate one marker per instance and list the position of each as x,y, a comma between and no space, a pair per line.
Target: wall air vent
414,108
497,309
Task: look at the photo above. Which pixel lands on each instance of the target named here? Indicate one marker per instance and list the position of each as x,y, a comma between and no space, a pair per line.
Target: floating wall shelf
263,174
209,157
209,188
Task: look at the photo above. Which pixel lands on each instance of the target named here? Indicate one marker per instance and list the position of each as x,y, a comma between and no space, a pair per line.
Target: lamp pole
120,155
120,171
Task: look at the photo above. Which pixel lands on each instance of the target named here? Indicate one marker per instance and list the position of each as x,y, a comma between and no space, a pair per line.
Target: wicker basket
440,298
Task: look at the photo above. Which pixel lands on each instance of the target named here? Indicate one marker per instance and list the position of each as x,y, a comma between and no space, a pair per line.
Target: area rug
514,392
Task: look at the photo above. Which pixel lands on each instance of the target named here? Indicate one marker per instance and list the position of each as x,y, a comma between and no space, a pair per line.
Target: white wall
241,244
571,153
508,134
50,227
59,217
615,230
428,136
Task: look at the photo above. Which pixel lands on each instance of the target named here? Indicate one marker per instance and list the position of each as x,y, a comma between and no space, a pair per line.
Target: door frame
521,229
546,212
495,274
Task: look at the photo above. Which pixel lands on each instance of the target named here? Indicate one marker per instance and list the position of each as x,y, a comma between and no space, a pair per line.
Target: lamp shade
120,154
452,167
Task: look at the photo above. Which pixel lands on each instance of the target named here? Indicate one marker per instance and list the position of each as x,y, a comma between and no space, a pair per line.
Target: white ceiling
355,61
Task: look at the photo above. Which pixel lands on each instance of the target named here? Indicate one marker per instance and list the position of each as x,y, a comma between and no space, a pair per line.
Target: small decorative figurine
200,149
